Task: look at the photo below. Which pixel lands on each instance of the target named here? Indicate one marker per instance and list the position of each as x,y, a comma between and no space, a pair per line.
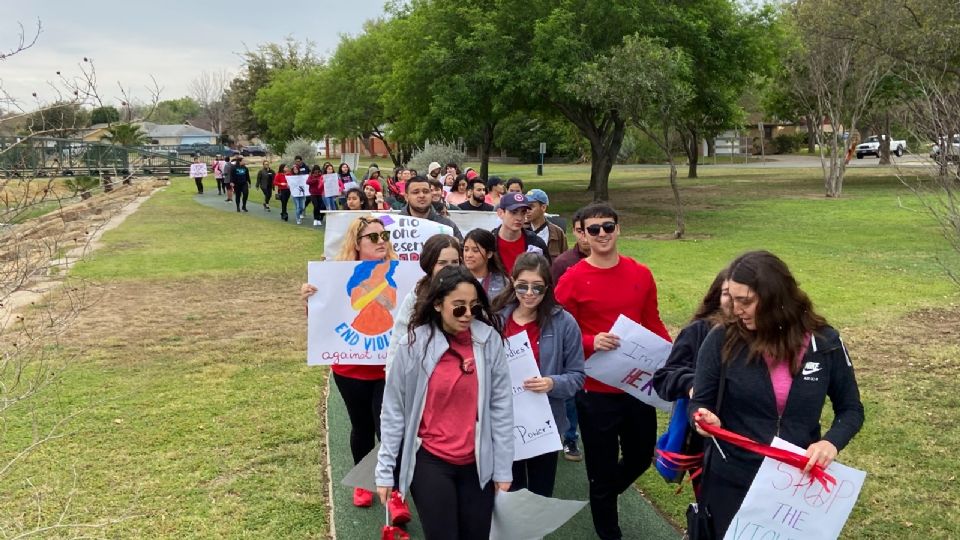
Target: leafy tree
279,102
176,111
126,135
61,119
104,115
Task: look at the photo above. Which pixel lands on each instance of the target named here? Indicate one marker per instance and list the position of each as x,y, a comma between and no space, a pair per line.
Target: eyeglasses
377,237
476,310
524,288
607,226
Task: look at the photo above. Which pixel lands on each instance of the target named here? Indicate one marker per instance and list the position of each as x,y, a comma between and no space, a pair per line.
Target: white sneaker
298,221
316,223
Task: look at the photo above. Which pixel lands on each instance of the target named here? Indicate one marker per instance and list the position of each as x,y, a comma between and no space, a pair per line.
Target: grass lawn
198,418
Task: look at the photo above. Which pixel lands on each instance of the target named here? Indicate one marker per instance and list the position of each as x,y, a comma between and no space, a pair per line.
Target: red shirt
363,373
448,426
597,296
533,332
509,251
280,181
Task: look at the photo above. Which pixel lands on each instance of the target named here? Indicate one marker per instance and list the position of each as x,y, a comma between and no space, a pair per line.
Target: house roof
157,131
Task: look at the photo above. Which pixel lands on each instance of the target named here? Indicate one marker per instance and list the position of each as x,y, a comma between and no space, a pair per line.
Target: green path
637,518
255,207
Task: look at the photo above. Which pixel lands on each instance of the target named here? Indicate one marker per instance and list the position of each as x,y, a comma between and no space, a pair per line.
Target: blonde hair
351,239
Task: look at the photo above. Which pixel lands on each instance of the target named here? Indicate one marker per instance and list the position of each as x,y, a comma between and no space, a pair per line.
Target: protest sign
363,474
468,220
298,185
350,318
331,185
406,232
347,186
534,428
198,170
522,515
783,503
630,367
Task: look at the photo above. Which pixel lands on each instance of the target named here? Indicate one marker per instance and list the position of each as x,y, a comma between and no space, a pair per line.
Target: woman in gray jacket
527,305
448,402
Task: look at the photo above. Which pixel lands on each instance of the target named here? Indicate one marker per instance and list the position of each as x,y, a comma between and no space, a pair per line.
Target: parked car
254,150
953,149
871,147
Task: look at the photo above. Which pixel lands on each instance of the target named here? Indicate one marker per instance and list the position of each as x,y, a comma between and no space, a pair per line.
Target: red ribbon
784,456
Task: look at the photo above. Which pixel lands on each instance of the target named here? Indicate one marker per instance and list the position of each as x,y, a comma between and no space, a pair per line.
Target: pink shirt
450,412
780,375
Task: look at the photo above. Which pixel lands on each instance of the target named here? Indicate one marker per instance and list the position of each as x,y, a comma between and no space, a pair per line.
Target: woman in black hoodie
780,360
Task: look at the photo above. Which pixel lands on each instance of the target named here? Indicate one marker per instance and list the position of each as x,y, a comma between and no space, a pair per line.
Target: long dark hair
430,254
784,313
533,262
315,171
446,280
486,241
282,168
710,307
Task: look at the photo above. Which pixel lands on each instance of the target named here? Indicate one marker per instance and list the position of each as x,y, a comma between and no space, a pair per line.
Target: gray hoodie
405,396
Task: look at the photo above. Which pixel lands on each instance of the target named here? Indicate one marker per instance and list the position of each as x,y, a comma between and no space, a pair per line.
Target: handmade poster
350,318
534,428
407,233
331,185
347,186
522,515
364,474
468,220
782,503
198,170
631,366
298,185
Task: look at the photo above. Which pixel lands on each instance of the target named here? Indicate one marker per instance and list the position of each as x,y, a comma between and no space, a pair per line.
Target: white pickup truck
871,147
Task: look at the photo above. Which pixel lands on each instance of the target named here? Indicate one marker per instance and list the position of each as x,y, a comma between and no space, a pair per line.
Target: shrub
785,144
82,185
441,153
299,147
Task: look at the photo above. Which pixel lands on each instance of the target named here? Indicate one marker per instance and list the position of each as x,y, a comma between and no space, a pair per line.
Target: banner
631,366
407,233
331,185
782,503
350,318
198,170
468,220
534,428
298,185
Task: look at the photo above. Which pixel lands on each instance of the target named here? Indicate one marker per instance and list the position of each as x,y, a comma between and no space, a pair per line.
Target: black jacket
240,175
265,179
530,238
675,379
749,406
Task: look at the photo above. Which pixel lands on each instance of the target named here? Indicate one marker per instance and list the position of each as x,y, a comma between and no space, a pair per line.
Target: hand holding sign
626,357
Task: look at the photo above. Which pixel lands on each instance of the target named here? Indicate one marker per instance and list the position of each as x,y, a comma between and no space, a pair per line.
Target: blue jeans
298,206
571,434
331,202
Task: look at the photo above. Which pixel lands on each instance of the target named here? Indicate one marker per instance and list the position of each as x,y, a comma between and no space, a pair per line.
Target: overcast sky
173,40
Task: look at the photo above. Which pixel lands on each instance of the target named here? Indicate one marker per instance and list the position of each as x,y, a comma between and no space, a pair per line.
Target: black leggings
449,499
318,206
284,196
536,474
267,193
199,182
220,187
363,400
618,433
241,190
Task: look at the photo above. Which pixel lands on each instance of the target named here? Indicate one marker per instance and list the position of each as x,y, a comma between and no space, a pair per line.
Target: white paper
781,503
407,233
534,428
522,515
298,185
331,185
350,318
347,186
468,220
631,366
198,170
363,474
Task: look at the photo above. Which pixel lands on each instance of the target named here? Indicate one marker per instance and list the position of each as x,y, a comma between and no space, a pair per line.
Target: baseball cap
512,201
538,195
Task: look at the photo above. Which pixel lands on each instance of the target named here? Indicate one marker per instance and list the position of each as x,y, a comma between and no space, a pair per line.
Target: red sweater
448,426
597,296
363,373
280,181
533,332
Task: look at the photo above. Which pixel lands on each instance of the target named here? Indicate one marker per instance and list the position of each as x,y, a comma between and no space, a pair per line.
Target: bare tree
209,90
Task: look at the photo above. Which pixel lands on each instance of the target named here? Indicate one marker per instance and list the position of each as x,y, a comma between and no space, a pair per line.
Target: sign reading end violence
350,318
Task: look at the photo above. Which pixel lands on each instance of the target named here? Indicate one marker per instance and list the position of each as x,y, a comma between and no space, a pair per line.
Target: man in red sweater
596,291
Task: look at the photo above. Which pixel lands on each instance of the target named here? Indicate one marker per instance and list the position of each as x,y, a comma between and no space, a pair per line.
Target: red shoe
362,498
399,511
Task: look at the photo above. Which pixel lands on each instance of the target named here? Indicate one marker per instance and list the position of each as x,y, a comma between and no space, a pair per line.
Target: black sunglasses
525,288
377,237
476,310
607,226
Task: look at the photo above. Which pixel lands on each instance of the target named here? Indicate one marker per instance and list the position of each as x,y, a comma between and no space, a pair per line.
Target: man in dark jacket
240,179
476,193
512,238
265,183
420,204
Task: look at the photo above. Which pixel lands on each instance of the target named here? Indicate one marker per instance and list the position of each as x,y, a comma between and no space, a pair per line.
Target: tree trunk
711,146
693,153
486,143
811,135
885,140
681,226
606,136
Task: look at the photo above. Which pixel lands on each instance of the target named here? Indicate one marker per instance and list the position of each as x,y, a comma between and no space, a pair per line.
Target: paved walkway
254,205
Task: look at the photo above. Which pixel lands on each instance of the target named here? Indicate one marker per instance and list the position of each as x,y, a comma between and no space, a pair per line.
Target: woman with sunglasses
528,306
361,386
449,405
481,259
